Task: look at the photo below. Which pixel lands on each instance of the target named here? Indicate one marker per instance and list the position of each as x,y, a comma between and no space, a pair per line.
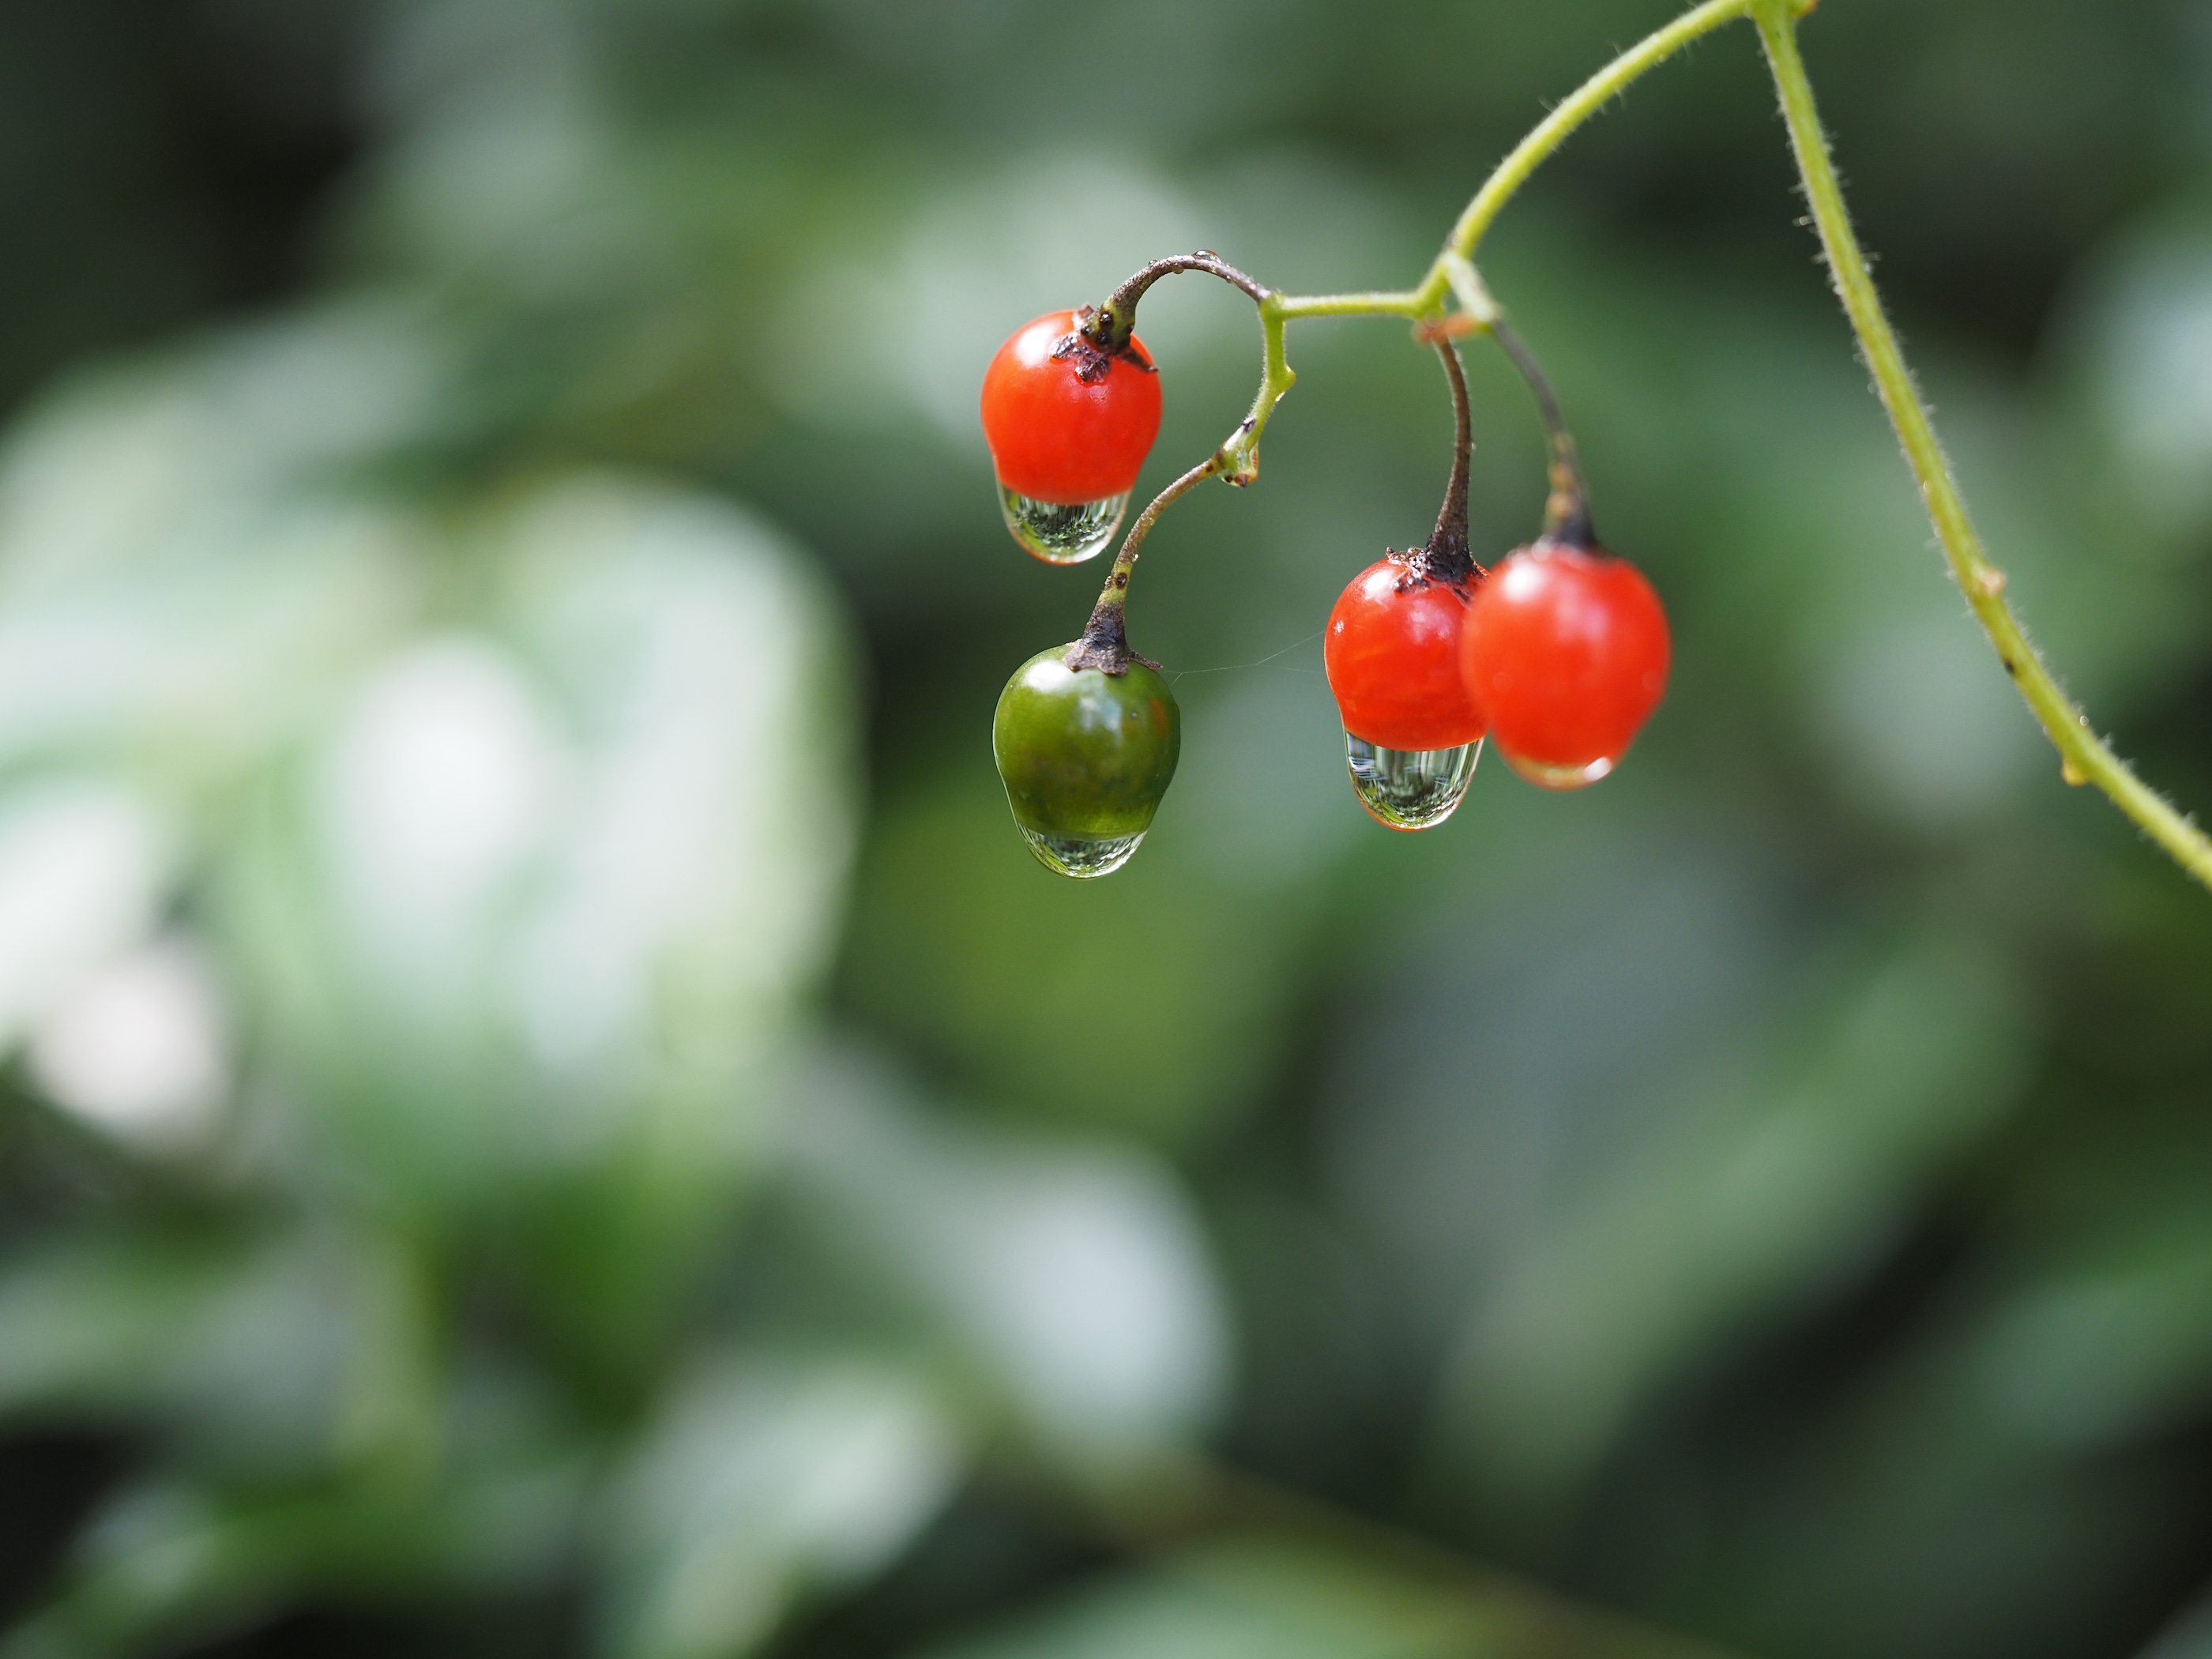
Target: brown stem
1109,326
1566,513
1449,557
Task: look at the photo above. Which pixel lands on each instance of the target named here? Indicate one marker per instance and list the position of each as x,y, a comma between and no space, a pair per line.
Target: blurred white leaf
565,876
764,1478
83,866
184,585
436,791
141,1048
1078,1276
714,807
119,468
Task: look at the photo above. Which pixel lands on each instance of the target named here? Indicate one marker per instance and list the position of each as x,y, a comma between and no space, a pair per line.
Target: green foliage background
501,602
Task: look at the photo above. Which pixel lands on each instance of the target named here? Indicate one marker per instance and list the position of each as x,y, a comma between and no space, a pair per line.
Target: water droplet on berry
1410,788
1545,775
1081,856
1060,534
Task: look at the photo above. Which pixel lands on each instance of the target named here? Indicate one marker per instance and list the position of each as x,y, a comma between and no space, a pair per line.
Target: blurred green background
547,1110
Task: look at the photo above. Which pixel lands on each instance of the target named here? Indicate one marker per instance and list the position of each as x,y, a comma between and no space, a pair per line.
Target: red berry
1073,427
1393,656
1566,652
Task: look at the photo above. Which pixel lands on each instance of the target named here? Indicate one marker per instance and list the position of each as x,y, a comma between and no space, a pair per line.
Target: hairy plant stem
2084,757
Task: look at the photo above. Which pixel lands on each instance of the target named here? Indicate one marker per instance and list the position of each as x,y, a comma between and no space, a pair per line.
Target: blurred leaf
552,887
964,946
294,1352
1076,1276
1767,1189
2142,337
1255,1599
168,1562
84,863
763,1478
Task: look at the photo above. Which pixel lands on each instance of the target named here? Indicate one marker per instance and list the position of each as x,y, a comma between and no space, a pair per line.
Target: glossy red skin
1566,653
1053,438
1392,652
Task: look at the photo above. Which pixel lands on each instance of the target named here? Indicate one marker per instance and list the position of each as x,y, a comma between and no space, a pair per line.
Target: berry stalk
1105,642
1449,556
1110,325
1566,513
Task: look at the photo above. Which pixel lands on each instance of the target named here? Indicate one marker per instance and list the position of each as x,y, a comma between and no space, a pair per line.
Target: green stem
1240,455
1553,130
1104,642
1532,152
2084,757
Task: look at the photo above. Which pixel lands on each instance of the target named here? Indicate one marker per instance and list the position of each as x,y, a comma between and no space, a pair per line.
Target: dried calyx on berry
1100,338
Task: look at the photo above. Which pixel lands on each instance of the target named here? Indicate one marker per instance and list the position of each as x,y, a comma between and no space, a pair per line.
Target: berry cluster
1559,653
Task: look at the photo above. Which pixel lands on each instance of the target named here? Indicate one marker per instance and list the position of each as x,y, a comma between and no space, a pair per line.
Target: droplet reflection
1060,534
1410,788
1546,776
1080,856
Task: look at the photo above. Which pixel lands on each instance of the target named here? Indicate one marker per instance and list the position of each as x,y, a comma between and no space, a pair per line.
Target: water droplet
1080,856
1410,788
1545,775
1059,534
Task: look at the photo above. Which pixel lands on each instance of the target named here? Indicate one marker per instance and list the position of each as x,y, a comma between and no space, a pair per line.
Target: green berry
1085,756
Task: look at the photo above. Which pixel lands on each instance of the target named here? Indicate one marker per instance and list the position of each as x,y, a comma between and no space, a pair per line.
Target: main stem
2084,757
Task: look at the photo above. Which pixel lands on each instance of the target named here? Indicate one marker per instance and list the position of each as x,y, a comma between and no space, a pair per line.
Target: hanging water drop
1546,775
1062,534
1081,856
1410,788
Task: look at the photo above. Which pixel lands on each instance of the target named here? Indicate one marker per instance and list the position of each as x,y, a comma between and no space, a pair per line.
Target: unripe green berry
1085,756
